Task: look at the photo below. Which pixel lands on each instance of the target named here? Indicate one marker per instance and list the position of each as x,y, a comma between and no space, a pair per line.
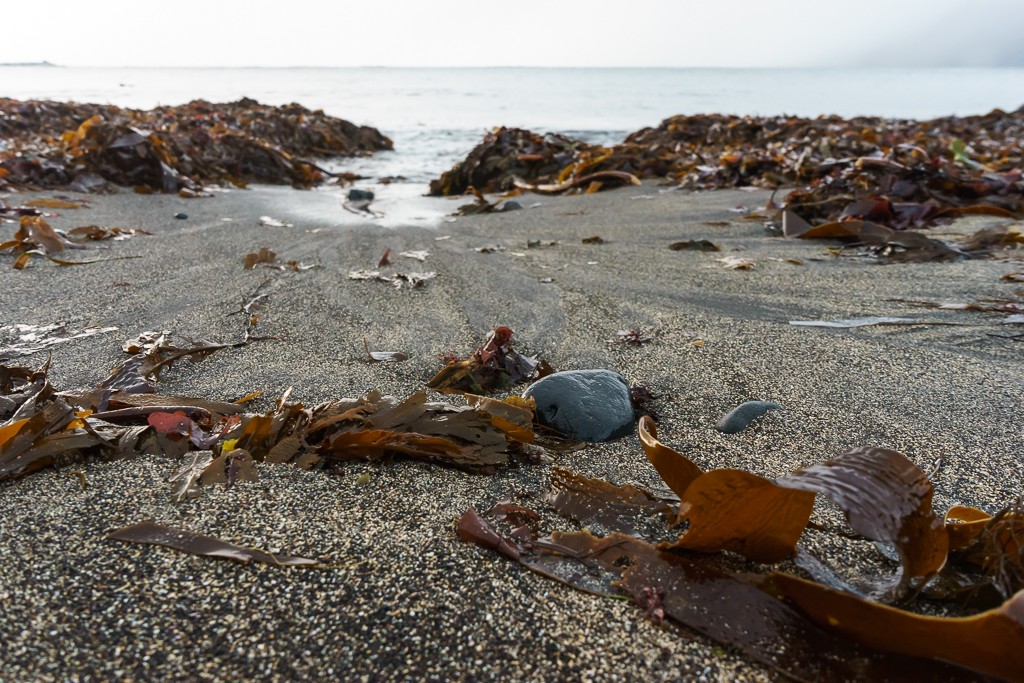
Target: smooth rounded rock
181,216
740,417
357,195
511,205
588,405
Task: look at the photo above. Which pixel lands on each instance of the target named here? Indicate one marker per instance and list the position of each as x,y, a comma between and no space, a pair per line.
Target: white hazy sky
725,33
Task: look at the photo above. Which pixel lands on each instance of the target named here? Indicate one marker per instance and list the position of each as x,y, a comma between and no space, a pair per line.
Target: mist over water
436,116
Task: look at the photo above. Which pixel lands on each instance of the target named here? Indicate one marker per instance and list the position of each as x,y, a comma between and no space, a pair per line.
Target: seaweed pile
508,154
827,627
86,147
494,366
125,416
895,173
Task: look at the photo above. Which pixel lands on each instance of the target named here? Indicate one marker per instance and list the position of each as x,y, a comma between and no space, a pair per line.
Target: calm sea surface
435,116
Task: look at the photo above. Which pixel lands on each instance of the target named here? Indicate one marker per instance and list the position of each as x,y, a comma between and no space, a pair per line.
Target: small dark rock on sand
740,417
588,405
356,195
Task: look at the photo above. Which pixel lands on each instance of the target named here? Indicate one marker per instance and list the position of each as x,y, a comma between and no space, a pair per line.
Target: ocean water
435,116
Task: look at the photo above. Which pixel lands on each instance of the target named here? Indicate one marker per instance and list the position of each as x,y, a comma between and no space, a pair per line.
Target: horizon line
871,67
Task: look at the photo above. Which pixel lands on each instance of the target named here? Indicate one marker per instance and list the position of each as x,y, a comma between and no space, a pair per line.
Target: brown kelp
892,173
821,629
87,147
124,416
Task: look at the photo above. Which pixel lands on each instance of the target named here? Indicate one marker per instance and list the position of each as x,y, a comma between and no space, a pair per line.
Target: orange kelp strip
964,525
742,512
675,469
994,543
729,509
620,177
8,431
991,642
885,497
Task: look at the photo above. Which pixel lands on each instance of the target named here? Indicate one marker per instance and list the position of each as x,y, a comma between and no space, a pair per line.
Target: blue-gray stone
742,415
588,405
511,205
357,195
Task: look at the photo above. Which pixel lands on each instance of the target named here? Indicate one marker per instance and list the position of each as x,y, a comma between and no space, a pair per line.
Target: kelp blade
150,533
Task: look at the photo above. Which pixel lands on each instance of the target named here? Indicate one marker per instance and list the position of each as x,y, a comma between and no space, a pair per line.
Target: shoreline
408,599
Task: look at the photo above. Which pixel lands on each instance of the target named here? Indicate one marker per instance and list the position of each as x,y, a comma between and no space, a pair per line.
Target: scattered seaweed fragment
35,236
630,337
383,356
156,351
480,206
97,233
493,366
25,340
694,245
264,257
736,262
150,533
396,280
643,400
267,258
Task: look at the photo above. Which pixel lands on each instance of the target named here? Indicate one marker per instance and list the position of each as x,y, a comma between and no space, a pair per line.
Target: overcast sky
726,33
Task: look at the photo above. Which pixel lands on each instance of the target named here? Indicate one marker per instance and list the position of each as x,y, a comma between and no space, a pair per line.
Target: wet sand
407,600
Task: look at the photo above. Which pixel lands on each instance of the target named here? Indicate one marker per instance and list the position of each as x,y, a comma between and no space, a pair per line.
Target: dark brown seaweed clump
507,154
123,416
895,173
85,147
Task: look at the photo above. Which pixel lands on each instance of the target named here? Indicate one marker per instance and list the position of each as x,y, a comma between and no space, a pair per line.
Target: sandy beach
405,599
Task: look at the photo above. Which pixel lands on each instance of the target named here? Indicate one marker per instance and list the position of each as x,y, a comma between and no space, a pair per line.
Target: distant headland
44,63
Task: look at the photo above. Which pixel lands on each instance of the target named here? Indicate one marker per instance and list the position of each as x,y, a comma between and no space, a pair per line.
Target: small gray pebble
356,195
511,205
181,216
740,417
588,405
